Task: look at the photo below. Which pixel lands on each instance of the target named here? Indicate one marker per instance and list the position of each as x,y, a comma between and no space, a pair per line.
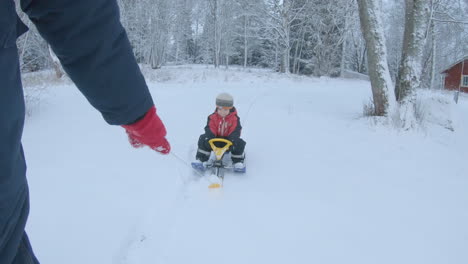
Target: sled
219,164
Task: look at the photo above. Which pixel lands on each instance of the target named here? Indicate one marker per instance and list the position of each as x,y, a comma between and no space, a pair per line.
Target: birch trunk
286,36
433,58
416,24
372,28
245,42
217,35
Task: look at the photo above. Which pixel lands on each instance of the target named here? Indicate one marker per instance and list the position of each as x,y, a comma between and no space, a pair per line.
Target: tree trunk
159,33
300,53
433,58
226,57
286,9
416,23
343,55
176,56
343,47
245,42
363,60
276,53
217,38
297,51
372,29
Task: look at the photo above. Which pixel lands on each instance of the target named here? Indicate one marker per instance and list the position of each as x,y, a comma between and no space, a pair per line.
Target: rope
190,166
185,163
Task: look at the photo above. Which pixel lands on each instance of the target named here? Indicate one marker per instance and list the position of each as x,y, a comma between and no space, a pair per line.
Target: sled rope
212,185
185,163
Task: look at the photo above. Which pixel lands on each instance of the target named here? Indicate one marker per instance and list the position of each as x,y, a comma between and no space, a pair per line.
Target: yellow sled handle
219,152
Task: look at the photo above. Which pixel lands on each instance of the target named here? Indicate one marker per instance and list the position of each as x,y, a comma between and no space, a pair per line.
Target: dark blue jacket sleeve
93,47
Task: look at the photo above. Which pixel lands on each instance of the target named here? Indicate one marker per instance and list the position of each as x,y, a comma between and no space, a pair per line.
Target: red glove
149,131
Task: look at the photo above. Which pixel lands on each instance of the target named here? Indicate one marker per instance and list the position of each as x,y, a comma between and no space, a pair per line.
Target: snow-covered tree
160,22
327,34
416,26
278,18
372,28
183,42
313,37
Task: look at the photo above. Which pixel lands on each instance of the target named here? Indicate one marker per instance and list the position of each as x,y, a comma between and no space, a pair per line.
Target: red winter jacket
228,127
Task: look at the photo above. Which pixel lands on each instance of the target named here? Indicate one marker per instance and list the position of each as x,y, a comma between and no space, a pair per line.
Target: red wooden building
454,79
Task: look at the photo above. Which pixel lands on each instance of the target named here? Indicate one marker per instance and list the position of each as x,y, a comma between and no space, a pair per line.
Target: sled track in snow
144,231
253,103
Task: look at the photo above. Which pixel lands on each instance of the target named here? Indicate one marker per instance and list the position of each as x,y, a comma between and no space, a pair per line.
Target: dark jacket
95,52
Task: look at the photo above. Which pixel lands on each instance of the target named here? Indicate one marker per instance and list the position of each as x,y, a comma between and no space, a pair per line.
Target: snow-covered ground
323,184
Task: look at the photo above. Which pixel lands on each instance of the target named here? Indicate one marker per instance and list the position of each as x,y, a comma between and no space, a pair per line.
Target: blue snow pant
204,148
14,196
92,45
14,202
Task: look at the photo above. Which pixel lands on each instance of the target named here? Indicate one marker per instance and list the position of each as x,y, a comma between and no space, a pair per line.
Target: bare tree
161,22
328,27
277,18
416,26
246,39
182,47
285,22
372,28
214,11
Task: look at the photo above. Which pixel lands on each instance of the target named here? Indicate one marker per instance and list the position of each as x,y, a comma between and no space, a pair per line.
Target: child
223,123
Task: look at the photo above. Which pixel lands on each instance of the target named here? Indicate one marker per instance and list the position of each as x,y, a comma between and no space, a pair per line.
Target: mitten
149,131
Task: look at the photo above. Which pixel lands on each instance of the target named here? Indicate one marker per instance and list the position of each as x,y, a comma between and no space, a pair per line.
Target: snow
323,184
354,75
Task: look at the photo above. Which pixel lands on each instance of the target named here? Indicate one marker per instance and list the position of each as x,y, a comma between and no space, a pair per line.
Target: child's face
223,112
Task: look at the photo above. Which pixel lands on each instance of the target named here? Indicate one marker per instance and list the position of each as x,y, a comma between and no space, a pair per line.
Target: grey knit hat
224,100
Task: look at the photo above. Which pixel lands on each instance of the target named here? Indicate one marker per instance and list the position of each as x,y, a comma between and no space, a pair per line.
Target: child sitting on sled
223,123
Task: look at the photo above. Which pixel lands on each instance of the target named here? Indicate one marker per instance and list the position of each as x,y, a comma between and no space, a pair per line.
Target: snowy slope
324,185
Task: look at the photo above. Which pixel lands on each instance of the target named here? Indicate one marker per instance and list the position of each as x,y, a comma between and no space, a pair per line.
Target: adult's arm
93,47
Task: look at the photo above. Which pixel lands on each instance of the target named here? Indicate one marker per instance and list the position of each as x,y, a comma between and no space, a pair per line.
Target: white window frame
464,81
